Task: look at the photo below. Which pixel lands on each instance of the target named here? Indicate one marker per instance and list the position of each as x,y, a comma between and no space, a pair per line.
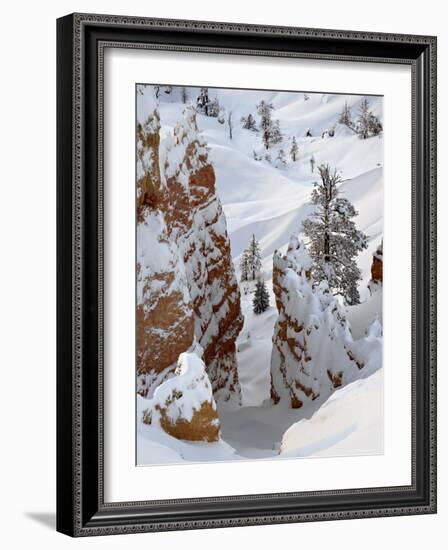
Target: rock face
313,351
186,285
377,266
183,406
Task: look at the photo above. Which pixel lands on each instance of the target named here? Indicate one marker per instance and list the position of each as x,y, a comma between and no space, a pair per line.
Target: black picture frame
81,510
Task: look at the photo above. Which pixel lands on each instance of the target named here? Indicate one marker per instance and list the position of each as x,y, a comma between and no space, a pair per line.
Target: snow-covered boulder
183,255
183,406
313,350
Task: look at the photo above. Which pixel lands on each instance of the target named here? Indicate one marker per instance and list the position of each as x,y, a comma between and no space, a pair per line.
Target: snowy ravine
270,200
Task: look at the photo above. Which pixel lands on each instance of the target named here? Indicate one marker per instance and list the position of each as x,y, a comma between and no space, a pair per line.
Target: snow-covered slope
259,198
335,430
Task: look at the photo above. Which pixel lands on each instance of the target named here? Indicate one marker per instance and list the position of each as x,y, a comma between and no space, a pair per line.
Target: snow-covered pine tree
214,108
367,124
264,110
184,94
334,239
261,297
202,101
346,116
253,259
375,126
281,158
249,123
276,134
244,265
362,122
294,151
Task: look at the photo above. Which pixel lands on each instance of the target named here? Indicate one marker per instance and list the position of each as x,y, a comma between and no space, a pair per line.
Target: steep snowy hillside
271,202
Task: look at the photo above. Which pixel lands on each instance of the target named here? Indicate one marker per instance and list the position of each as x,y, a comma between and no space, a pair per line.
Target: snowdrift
350,422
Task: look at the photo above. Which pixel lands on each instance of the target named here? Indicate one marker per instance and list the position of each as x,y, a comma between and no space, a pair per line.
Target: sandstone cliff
313,351
186,285
376,270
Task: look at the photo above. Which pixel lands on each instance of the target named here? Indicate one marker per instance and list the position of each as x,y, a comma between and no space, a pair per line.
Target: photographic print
259,274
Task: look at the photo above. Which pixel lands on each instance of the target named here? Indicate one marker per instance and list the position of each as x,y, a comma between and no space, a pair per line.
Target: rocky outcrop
164,314
313,351
377,268
190,286
183,406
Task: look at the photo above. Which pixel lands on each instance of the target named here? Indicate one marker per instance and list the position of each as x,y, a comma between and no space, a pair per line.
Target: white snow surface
350,422
185,393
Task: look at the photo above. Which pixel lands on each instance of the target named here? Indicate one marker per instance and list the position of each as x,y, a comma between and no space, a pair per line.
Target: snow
271,201
157,256
335,429
185,393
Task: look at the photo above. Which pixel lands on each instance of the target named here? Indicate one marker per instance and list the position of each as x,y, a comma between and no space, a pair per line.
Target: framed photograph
246,274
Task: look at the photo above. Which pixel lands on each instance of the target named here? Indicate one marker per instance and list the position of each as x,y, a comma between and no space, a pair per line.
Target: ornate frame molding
81,43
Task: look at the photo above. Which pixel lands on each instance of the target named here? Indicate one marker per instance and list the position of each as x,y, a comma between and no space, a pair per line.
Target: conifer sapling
261,297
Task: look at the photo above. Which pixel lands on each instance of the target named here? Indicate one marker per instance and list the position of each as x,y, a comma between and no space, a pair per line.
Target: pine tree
184,94
244,265
281,158
264,111
253,259
346,116
363,119
367,124
213,108
294,151
202,101
375,126
261,298
334,239
276,134
249,123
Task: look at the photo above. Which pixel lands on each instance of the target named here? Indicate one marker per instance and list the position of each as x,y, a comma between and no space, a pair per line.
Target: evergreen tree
294,151
244,266
253,259
213,108
184,94
367,124
346,116
250,262
334,239
281,158
375,126
249,123
264,111
276,134
202,101
261,297
363,119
